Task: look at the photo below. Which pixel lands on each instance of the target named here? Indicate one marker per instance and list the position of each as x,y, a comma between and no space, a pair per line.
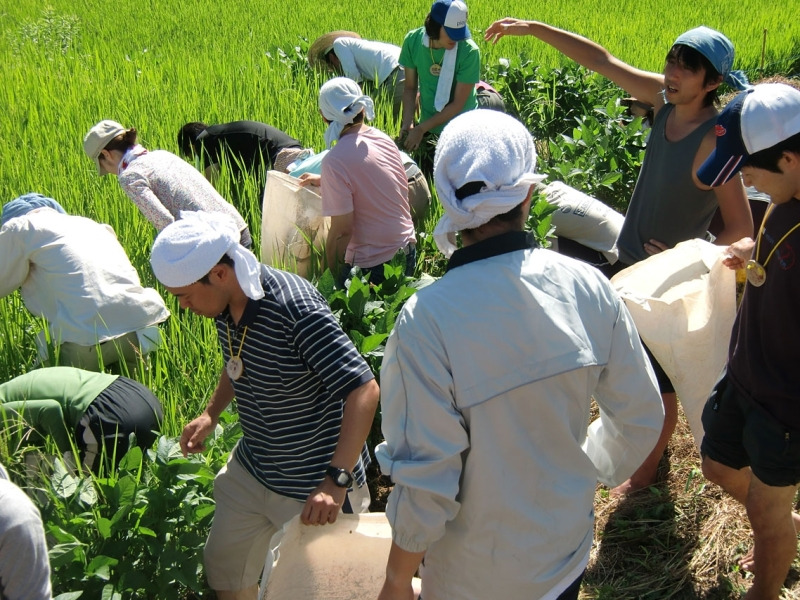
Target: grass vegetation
155,65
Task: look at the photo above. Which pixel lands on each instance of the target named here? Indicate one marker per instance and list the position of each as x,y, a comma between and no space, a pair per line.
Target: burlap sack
293,230
342,561
584,219
683,302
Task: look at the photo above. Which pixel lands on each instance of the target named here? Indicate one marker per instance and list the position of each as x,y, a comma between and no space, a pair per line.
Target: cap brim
719,168
458,34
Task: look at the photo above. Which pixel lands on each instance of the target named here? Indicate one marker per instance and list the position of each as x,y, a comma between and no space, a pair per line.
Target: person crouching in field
160,184
96,411
248,147
376,63
443,64
487,381
305,397
752,420
74,272
364,187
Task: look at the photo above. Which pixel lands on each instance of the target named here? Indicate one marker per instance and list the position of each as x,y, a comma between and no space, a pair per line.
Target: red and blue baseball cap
452,15
755,120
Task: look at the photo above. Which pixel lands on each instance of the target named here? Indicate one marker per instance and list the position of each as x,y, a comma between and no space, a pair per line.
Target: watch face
341,477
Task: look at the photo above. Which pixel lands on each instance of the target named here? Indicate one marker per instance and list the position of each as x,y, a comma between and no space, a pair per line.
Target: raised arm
643,85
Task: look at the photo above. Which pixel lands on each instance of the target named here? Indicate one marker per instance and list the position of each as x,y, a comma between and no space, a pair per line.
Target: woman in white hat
159,183
345,53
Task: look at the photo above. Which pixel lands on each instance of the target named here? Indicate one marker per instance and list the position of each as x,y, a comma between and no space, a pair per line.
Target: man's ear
791,160
712,85
219,273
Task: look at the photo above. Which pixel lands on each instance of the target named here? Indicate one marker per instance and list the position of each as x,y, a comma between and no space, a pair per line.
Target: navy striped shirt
299,366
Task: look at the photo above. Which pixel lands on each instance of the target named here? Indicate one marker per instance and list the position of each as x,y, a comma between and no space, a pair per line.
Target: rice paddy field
157,64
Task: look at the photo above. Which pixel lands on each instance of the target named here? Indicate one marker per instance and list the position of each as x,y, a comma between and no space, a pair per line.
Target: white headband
486,158
340,101
187,249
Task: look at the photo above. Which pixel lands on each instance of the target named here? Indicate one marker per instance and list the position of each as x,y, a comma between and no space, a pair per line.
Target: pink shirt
363,174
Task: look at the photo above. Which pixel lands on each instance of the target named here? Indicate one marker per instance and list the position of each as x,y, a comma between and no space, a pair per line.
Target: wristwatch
341,477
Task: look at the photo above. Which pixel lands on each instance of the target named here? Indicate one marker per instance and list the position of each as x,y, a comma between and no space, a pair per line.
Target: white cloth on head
445,85
340,101
186,250
481,146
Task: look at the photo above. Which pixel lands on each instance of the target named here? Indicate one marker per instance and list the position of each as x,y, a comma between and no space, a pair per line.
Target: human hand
323,504
503,27
307,179
738,253
413,139
654,247
195,433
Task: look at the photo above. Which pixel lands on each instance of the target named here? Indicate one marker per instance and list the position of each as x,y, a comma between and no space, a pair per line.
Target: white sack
683,302
584,219
345,560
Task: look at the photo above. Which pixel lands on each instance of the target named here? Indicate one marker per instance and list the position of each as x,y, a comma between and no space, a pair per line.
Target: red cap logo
719,130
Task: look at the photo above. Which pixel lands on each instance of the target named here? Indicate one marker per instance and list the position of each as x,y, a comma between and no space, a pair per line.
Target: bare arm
195,433
734,208
400,571
643,85
324,503
451,110
409,100
338,237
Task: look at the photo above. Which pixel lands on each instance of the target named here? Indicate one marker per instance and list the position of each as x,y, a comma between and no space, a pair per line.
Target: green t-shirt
414,55
53,399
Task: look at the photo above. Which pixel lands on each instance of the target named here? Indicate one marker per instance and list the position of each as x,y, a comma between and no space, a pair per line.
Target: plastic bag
683,301
293,230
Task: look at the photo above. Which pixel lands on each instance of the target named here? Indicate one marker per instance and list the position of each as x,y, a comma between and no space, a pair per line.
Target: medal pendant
234,367
436,69
756,274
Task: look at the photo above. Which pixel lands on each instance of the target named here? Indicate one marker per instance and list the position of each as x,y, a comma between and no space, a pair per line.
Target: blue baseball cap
718,49
26,203
755,120
452,15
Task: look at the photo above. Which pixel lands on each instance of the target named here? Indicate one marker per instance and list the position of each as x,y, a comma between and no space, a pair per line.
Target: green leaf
100,567
369,343
104,527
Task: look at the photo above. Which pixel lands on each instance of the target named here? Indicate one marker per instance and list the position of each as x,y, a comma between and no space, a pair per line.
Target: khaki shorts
247,515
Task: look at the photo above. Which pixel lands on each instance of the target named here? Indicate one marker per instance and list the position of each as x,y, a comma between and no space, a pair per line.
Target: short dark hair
225,260
123,141
432,28
768,158
689,58
187,137
511,216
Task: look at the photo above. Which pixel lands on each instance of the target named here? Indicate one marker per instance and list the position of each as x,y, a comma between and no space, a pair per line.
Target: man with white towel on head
305,396
487,381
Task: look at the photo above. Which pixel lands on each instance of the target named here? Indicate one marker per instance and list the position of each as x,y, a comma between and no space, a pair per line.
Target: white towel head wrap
494,154
187,249
340,101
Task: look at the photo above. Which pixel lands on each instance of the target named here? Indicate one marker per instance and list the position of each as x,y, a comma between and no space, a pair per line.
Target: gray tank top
666,204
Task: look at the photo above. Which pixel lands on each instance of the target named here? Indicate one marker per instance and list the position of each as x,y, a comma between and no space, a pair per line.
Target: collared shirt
73,272
486,387
299,366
